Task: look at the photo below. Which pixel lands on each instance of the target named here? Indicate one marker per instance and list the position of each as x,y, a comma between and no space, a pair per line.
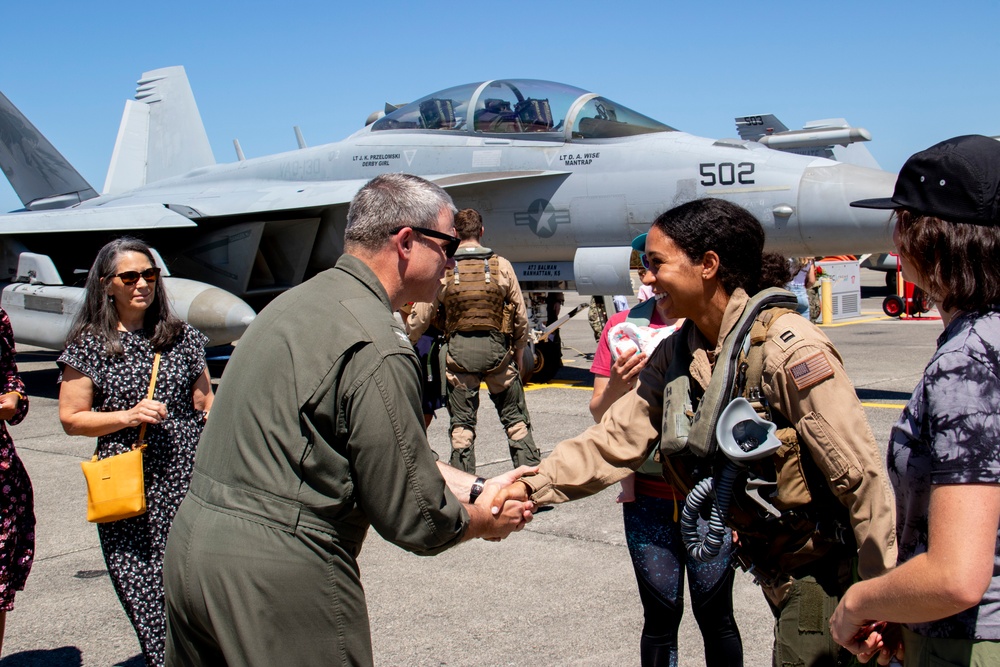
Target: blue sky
912,73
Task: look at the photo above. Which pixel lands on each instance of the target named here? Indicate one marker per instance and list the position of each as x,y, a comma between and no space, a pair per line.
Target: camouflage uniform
486,325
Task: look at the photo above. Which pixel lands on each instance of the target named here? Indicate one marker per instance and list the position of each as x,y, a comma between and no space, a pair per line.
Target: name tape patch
810,371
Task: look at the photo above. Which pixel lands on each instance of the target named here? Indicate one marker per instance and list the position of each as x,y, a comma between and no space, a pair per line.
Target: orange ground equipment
909,301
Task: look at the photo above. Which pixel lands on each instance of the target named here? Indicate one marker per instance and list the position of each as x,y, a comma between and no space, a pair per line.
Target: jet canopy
520,106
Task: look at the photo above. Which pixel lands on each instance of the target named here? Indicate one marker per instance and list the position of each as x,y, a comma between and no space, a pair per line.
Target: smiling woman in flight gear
742,338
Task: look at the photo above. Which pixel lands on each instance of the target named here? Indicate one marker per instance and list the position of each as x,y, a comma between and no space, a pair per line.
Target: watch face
477,489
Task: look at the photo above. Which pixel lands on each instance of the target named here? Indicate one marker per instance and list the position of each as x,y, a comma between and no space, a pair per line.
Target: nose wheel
548,361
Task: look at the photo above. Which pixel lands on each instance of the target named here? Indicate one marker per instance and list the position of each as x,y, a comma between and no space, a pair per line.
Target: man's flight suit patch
811,370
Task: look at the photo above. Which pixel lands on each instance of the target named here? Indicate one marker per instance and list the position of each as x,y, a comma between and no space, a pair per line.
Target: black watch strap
476,490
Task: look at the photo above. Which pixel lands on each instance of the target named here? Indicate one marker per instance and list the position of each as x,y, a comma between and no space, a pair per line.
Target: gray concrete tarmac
469,606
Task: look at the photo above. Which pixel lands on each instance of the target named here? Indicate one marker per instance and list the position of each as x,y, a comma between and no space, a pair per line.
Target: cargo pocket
793,491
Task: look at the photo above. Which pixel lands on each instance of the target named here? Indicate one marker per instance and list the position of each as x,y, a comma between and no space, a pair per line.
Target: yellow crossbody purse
115,486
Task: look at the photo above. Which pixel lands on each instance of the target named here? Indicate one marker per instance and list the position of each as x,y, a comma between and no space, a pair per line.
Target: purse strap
149,395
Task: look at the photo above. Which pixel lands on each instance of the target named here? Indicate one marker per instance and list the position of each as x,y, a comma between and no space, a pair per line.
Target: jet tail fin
39,174
161,134
752,128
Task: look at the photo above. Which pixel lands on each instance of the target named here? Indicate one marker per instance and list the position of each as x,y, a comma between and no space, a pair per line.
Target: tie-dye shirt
949,433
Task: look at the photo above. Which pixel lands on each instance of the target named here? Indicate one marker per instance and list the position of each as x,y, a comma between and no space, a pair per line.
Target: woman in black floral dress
106,369
17,515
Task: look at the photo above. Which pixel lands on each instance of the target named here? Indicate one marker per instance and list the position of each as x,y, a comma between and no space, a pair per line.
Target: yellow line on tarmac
888,406
558,384
847,324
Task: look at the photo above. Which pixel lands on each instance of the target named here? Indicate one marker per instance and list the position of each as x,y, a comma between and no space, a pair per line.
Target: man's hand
512,518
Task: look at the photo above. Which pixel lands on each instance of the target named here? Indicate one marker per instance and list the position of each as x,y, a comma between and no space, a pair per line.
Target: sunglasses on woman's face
150,275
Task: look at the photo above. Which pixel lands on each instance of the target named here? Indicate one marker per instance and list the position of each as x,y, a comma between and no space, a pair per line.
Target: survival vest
472,298
805,521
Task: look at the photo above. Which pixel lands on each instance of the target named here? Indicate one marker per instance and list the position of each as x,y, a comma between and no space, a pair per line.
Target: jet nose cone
827,222
218,314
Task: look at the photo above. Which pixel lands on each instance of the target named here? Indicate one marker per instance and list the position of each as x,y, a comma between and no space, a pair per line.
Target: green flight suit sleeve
397,483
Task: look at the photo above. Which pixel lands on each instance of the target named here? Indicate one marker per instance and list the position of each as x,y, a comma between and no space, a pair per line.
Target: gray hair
390,201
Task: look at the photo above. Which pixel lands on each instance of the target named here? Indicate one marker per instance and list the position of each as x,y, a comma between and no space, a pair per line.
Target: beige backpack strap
754,357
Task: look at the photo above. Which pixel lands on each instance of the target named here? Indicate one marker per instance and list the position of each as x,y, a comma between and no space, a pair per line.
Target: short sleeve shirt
602,357
949,433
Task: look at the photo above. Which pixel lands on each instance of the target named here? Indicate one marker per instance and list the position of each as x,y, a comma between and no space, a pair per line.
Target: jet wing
269,198
93,219
319,194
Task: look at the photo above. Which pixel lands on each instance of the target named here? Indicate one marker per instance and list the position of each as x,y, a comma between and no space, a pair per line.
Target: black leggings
659,560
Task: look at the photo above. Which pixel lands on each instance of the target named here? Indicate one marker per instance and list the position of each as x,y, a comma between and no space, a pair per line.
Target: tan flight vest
473,300
812,521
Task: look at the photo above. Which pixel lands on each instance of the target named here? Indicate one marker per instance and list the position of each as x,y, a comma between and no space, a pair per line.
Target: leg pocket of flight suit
802,632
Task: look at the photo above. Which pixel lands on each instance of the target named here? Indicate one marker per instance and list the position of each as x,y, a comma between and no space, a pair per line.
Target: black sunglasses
450,248
150,275
644,260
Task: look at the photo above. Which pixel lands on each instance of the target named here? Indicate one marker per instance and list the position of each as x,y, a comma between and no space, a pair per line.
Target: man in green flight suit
316,434
486,326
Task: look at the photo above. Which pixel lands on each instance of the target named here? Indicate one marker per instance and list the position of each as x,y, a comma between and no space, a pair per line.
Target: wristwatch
477,488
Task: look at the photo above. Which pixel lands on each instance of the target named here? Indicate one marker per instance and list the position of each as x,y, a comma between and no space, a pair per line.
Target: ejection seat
497,116
535,115
437,114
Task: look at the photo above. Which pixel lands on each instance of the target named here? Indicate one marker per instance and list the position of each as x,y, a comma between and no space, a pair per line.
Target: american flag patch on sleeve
810,371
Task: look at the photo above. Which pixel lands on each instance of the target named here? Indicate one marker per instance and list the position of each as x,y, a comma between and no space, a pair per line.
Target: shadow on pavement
882,395
66,656
576,375
42,382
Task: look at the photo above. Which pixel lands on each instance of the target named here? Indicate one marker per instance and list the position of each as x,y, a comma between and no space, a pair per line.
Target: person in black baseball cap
957,180
947,205
942,601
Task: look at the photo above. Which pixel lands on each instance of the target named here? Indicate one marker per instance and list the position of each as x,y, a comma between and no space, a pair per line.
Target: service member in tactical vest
486,327
812,512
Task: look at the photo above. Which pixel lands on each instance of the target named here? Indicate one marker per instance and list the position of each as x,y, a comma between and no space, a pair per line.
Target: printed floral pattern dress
17,514
133,548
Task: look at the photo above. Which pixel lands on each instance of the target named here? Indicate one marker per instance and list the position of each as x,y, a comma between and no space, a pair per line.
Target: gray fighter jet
564,179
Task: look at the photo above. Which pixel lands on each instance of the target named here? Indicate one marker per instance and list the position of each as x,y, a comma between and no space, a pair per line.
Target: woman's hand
8,405
625,372
146,411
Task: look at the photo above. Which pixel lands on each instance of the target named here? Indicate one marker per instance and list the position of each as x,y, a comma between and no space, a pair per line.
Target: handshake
503,507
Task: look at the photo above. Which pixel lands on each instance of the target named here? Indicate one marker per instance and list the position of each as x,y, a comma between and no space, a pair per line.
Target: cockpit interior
527,107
